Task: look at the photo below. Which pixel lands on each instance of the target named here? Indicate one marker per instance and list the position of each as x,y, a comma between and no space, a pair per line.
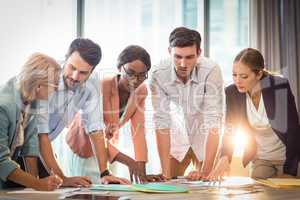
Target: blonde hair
39,69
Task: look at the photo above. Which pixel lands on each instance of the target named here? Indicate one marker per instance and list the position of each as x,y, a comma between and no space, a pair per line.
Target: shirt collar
174,77
194,75
61,84
193,78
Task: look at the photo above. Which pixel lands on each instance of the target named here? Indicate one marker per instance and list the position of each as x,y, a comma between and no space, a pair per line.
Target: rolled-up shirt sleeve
92,111
161,105
7,166
213,107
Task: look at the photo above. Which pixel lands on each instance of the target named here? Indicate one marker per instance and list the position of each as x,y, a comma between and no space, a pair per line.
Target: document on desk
237,182
112,187
234,192
159,188
228,182
32,191
149,188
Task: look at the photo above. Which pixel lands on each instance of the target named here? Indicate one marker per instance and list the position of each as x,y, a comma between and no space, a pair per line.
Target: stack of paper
237,182
228,182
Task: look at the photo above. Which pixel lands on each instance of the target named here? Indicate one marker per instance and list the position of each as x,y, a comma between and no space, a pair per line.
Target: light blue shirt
54,115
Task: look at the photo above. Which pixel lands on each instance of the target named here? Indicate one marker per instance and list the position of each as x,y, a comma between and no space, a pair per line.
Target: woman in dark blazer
263,106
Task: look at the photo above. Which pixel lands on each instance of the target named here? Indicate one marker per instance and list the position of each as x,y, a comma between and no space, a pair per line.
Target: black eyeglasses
131,74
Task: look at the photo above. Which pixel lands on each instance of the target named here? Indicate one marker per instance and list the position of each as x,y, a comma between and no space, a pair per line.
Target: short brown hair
184,37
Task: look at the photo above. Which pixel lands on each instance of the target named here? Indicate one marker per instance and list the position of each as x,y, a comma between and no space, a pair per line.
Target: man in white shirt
78,90
187,96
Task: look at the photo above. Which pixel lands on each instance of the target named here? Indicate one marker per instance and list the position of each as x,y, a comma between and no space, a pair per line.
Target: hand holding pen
49,183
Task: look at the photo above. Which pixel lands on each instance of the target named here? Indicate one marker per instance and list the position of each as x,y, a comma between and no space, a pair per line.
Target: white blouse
269,146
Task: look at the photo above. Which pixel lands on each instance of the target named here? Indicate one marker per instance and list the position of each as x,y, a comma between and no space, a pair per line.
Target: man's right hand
136,169
77,181
110,179
49,183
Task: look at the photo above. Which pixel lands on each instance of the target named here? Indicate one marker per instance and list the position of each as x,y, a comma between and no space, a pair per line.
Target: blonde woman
18,135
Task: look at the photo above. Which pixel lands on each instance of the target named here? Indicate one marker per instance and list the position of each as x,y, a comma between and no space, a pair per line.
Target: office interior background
226,27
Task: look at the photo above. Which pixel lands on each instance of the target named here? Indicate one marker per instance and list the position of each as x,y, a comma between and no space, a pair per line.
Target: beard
71,84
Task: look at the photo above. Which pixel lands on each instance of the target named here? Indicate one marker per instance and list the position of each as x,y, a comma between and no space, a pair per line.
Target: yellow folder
279,182
285,181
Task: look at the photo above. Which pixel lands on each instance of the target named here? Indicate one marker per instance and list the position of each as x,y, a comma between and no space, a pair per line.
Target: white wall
47,26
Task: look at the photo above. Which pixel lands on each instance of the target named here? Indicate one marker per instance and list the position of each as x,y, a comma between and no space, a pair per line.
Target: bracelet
105,173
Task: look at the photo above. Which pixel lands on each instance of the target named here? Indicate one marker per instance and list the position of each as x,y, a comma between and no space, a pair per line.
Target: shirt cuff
42,128
31,150
6,168
213,122
162,123
93,127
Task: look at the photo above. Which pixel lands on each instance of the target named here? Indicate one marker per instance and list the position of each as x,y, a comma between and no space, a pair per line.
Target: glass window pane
46,26
143,22
190,14
228,32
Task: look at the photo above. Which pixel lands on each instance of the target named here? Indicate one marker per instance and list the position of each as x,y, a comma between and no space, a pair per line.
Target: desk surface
266,193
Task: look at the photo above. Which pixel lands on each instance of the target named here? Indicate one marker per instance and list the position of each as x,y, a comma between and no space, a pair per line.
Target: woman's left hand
156,178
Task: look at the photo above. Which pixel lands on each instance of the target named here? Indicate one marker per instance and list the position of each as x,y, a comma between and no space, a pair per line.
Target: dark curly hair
132,53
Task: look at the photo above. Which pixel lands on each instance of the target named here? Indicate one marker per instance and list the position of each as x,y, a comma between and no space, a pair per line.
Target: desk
267,193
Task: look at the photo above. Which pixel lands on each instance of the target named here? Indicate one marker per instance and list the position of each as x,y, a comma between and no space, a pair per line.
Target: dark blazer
282,114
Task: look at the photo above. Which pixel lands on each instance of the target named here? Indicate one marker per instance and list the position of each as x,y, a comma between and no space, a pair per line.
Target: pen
53,174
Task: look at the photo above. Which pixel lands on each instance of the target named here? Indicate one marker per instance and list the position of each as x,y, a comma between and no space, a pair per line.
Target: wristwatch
105,173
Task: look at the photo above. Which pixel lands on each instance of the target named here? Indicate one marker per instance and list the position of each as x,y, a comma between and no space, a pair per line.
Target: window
49,26
143,22
148,23
228,32
190,14
46,26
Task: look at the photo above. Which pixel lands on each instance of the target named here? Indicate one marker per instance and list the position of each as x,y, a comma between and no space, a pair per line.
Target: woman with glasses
19,147
124,97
